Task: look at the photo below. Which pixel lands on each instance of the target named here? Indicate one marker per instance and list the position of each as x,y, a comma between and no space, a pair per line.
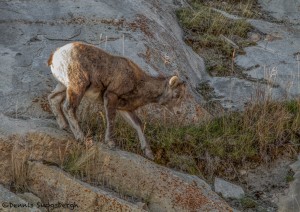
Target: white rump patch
60,63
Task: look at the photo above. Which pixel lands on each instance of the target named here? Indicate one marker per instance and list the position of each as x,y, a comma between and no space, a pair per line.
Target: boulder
227,189
161,188
10,202
61,191
165,189
32,199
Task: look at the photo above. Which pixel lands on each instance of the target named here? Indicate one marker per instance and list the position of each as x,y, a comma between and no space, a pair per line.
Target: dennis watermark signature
50,206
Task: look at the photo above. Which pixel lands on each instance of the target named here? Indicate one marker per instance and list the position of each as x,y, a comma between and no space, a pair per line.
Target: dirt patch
263,186
266,181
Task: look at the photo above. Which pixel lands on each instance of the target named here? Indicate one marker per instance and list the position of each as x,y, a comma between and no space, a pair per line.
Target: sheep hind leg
55,100
110,102
69,108
133,120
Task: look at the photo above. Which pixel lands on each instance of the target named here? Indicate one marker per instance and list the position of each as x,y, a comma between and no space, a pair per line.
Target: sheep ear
173,82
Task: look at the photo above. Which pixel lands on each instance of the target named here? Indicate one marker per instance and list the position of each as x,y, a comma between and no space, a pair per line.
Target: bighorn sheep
82,69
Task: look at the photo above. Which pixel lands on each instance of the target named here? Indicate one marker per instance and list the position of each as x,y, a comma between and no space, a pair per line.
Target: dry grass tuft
36,146
214,37
81,160
243,8
19,165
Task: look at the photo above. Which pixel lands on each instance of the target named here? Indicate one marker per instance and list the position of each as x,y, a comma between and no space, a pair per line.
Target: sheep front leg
133,120
110,102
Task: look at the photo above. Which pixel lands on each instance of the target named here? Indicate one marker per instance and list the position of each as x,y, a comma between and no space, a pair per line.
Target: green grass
257,135
214,37
242,8
260,134
248,202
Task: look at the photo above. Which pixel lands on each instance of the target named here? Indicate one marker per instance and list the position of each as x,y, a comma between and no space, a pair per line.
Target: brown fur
50,59
119,75
121,83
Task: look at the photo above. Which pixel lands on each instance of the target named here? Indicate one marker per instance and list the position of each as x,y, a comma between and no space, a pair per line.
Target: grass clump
259,134
248,202
242,8
214,37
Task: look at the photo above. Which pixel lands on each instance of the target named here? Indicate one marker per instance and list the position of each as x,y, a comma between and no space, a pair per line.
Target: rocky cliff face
146,32
34,151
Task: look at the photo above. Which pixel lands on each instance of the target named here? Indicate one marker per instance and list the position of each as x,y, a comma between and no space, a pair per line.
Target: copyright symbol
5,204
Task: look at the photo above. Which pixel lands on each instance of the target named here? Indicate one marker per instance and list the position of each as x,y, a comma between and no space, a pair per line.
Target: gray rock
283,10
290,201
31,198
275,59
296,166
227,189
163,188
54,185
10,202
30,32
151,35
166,190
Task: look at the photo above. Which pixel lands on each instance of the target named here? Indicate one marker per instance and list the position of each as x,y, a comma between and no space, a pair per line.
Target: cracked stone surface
30,31
275,58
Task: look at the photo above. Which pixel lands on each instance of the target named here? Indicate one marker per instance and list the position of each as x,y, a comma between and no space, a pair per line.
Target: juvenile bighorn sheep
83,69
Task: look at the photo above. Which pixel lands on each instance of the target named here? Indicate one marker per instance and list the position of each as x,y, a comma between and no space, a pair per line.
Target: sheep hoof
148,154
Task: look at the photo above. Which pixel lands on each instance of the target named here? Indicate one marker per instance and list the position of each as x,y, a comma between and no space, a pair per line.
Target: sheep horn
173,81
